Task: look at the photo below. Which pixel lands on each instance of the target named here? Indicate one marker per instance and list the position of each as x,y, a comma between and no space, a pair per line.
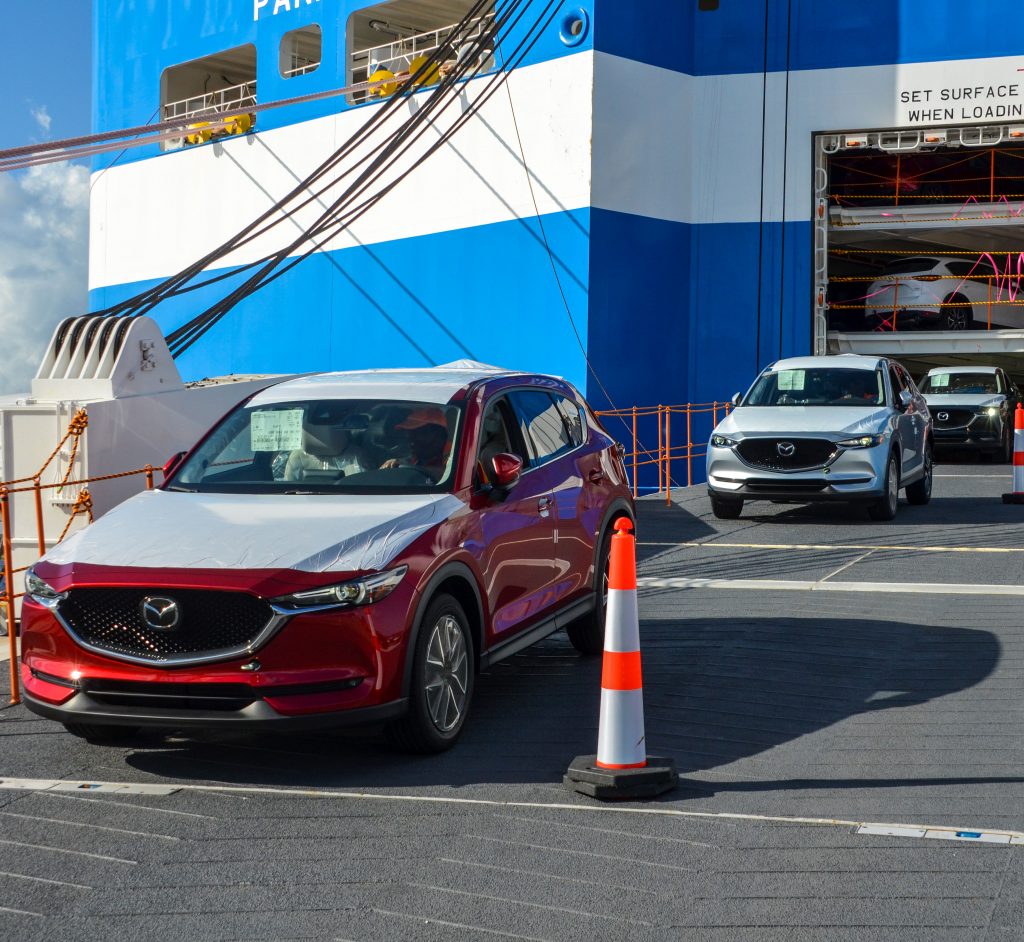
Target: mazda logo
942,416
160,613
785,449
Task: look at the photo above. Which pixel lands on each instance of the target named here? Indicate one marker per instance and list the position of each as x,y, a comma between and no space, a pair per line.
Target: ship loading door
919,246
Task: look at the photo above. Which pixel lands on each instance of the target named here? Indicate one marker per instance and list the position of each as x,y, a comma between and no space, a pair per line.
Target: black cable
146,299
206,321
330,223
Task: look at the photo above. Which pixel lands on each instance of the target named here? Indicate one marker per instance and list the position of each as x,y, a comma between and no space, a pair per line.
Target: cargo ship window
301,51
205,88
395,40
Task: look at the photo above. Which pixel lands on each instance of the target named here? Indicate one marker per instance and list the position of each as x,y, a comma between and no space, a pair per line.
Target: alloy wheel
446,674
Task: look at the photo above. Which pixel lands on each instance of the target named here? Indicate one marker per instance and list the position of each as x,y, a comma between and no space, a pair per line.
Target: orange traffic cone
622,768
1017,497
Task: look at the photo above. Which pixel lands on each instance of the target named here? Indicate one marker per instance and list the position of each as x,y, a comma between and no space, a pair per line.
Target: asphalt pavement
847,718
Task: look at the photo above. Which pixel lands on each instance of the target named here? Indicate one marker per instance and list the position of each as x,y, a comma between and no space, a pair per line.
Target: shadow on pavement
716,691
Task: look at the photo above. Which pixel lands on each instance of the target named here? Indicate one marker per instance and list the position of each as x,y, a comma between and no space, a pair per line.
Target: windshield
966,383
824,386
327,446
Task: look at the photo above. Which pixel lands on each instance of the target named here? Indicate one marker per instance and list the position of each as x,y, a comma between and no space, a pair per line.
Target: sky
45,82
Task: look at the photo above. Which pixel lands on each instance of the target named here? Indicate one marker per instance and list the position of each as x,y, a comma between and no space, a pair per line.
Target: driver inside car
427,437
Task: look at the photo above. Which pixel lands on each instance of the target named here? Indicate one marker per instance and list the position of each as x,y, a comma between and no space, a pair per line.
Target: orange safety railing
688,440
82,505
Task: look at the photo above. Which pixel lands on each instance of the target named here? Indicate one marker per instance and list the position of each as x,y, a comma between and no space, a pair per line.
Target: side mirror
507,469
737,399
172,464
905,400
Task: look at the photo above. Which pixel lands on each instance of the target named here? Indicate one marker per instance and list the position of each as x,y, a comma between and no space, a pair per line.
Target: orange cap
418,418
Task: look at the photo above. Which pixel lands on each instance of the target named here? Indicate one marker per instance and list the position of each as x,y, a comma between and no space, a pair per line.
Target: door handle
596,476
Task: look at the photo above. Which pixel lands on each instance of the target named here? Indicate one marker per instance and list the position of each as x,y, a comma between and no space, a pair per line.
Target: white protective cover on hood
309,533
787,420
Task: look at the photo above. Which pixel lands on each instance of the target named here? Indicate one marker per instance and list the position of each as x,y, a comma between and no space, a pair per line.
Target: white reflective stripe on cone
620,739
1018,479
622,621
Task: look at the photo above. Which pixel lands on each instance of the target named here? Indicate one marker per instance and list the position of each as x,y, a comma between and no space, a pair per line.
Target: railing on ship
668,438
212,103
81,506
397,56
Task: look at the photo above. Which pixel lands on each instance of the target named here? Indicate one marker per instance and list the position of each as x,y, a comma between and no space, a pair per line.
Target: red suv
341,548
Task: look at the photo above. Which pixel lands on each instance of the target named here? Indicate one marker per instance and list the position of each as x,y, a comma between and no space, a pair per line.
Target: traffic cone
621,768
1017,497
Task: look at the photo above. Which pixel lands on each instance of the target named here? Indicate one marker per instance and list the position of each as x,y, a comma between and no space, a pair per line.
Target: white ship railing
212,103
300,66
397,56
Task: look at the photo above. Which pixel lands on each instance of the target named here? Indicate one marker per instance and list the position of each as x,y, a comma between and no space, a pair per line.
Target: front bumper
326,668
982,433
856,474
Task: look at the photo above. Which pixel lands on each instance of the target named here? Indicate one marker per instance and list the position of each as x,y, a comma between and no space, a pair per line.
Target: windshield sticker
940,379
280,430
791,380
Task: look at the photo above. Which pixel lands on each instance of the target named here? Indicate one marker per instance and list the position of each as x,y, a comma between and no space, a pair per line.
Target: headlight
991,411
864,441
364,591
720,441
42,592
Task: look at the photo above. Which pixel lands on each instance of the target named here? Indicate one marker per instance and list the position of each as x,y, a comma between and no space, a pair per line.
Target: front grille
952,418
808,453
209,621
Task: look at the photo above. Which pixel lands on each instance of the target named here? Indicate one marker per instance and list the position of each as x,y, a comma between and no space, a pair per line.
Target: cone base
656,778
1015,498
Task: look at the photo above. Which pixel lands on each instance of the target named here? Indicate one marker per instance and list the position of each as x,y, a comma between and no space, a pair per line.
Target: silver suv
846,428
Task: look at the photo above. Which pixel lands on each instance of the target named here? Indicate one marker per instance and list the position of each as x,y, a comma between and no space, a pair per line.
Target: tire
725,508
885,507
441,689
587,634
920,492
93,732
957,313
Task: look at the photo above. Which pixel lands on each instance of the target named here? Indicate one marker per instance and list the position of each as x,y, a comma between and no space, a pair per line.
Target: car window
327,446
817,386
541,424
497,437
896,381
572,415
905,266
966,383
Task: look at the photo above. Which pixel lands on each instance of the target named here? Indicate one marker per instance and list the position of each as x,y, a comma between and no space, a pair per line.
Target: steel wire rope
558,281
380,160
188,334
200,325
166,288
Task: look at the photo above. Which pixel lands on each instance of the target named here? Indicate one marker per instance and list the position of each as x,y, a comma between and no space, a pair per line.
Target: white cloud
42,118
44,244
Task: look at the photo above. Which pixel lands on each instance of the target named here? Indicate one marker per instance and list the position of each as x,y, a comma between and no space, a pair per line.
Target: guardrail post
636,449
668,456
149,477
37,492
689,444
12,635
661,448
